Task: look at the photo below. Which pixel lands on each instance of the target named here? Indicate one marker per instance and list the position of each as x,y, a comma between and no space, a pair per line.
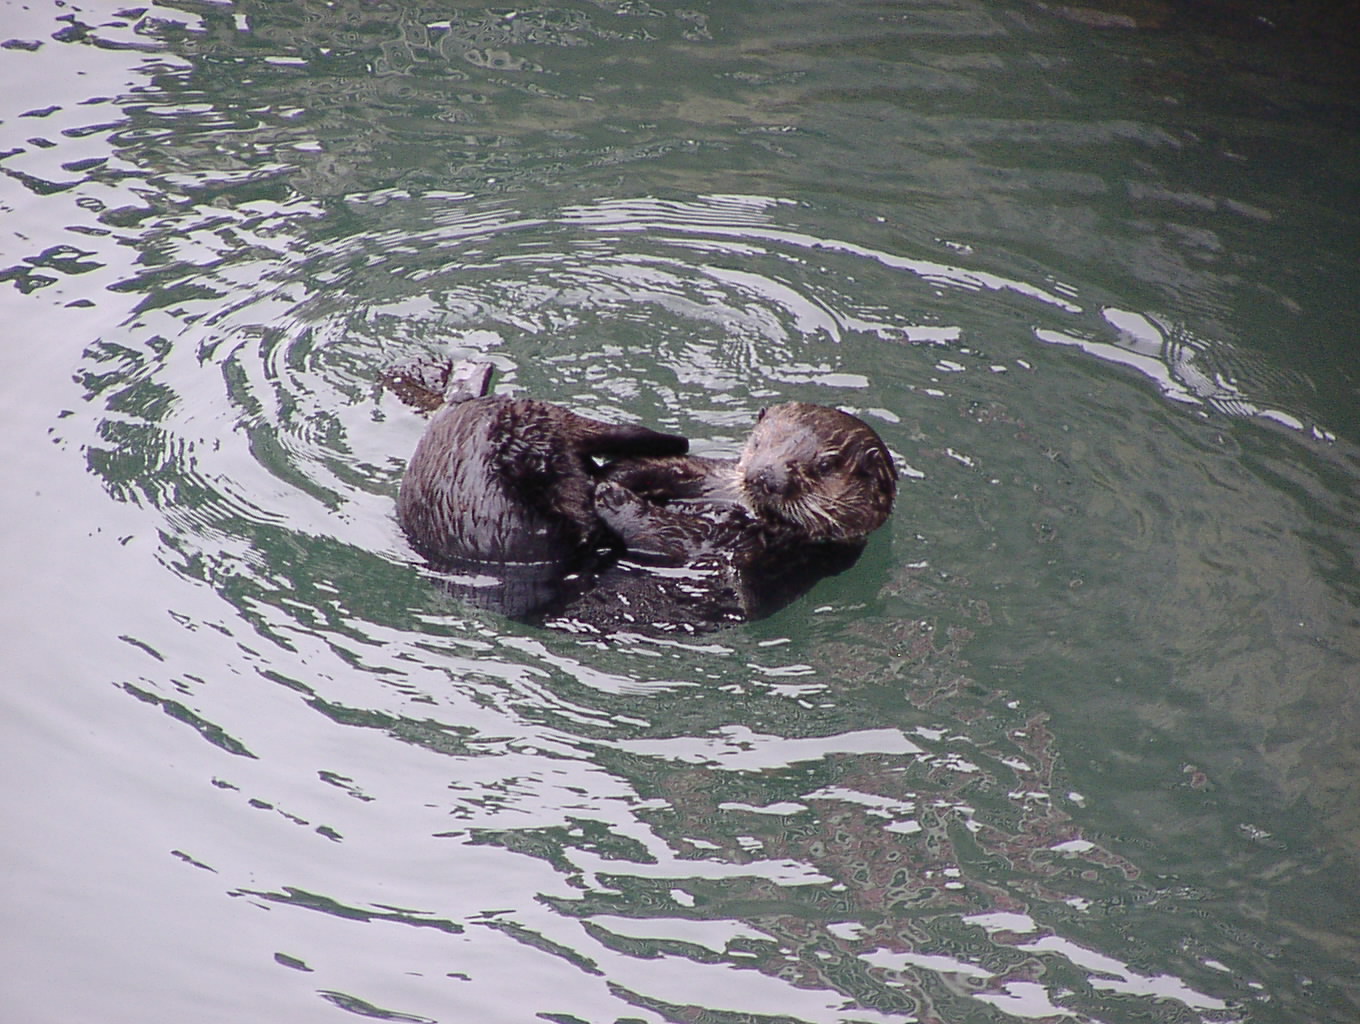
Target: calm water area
1076,739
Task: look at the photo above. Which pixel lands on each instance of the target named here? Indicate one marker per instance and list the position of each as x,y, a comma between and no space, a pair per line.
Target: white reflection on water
1107,973
1184,368
739,748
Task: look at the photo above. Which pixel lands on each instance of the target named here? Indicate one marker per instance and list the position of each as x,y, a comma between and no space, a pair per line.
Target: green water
1074,739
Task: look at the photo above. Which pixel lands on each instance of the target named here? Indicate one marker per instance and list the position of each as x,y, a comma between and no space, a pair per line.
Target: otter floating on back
508,490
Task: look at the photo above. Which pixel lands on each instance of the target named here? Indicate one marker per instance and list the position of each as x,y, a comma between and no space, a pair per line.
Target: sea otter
499,492
506,498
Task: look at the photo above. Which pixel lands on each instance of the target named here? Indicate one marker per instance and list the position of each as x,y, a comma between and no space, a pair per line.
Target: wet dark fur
754,532
501,490
506,497
808,474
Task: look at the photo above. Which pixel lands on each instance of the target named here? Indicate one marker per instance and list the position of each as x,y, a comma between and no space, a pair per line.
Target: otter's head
819,470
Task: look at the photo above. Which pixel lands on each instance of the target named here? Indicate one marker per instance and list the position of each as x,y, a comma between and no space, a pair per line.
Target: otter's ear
875,462
761,415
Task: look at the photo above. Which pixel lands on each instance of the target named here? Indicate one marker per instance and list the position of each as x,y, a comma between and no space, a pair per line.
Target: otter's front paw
635,522
613,500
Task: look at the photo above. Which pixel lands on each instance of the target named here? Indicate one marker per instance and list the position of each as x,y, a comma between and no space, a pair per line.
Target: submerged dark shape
506,498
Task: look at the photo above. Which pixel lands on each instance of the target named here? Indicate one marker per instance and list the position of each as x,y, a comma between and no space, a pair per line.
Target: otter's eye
825,465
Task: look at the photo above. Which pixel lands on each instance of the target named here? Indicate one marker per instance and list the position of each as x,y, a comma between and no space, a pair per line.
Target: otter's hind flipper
468,379
426,385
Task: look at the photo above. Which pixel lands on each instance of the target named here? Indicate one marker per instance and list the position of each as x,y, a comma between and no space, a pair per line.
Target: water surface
1075,739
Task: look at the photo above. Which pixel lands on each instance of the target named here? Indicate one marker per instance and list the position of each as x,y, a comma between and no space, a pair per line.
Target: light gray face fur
819,470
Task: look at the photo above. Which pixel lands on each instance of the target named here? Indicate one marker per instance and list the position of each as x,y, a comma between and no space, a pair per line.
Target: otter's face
819,470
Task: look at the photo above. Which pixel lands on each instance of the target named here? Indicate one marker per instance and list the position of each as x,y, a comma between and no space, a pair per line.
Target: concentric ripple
251,366
939,856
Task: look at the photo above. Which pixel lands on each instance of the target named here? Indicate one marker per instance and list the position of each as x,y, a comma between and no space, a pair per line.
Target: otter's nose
771,481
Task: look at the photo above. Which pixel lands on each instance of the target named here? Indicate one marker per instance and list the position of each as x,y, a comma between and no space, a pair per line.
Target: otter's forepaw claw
613,498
